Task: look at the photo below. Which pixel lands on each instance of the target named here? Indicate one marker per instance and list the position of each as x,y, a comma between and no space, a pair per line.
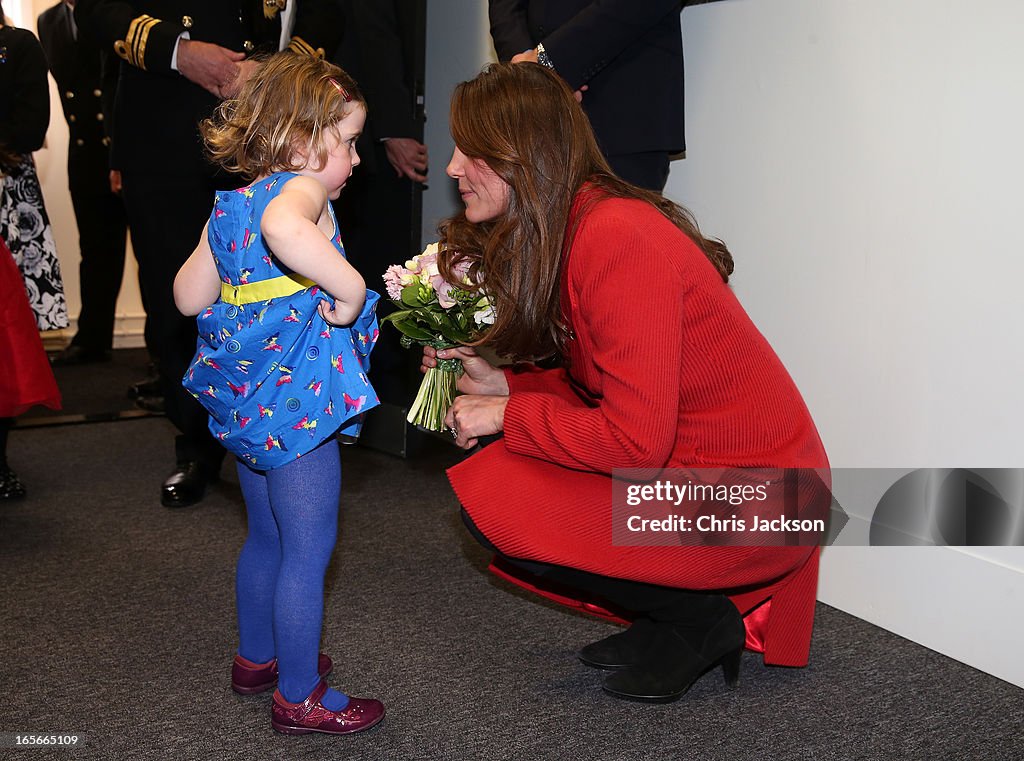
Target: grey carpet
96,390
117,620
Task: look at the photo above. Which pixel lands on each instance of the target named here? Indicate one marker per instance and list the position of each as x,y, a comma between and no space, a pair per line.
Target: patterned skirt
26,229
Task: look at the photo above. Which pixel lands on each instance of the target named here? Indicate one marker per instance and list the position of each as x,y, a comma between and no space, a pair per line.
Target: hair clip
342,90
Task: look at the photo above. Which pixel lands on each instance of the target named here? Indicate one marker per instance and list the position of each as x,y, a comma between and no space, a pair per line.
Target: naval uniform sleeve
319,25
139,39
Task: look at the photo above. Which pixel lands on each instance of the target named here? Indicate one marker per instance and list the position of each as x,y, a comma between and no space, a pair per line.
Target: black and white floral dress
26,229
24,116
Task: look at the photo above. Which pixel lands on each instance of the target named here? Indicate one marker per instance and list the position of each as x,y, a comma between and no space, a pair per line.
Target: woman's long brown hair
525,123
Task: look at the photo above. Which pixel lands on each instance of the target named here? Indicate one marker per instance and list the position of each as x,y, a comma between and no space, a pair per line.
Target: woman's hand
480,376
474,415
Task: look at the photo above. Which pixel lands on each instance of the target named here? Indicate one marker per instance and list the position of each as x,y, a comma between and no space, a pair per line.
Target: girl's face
340,141
484,192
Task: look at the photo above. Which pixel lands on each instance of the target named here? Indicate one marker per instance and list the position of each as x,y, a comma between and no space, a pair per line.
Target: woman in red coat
26,379
658,367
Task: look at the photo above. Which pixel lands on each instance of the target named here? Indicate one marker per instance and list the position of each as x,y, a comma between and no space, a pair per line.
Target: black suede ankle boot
622,649
680,652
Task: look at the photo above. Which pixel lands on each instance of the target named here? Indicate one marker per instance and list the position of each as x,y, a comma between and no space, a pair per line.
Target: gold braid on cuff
299,45
133,47
271,7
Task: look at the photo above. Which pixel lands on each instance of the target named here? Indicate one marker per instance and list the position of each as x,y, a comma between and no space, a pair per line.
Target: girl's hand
473,415
338,315
480,376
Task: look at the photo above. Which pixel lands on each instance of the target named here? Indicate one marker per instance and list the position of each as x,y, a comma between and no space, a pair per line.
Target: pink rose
443,291
461,270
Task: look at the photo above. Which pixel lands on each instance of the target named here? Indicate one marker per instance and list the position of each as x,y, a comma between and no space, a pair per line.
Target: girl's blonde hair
281,113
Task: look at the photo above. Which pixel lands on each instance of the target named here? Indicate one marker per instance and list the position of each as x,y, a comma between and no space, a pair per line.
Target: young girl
285,328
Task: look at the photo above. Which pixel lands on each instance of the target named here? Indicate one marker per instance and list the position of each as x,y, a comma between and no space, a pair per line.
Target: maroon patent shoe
311,716
248,678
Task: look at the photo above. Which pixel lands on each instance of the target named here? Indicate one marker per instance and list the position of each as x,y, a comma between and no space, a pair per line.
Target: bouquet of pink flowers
433,312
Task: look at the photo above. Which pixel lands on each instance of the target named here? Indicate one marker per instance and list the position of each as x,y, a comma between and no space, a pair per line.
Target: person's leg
375,214
167,215
10,486
102,233
631,597
676,634
256,575
304,498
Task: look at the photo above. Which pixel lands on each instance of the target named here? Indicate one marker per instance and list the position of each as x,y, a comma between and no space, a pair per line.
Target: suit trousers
101,235
375,217
166,214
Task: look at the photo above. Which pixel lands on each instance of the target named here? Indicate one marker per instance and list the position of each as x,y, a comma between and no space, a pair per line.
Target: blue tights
279,586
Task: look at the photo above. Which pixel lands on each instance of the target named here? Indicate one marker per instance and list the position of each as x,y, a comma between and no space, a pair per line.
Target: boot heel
731,667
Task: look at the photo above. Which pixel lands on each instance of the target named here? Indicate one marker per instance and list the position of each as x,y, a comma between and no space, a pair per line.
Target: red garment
25,375
667,370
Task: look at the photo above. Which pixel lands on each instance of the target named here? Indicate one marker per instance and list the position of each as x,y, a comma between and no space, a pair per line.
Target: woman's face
484,193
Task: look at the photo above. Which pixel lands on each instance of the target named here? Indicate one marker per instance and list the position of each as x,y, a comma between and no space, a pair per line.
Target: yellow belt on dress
264,290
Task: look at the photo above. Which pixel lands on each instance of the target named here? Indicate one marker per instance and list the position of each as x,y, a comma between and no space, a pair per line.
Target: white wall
458,45
863,160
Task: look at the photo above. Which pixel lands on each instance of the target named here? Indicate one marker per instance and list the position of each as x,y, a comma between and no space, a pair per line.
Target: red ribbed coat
666,370
26,379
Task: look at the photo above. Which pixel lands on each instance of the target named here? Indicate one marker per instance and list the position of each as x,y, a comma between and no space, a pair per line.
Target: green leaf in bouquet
395,316
414,331
436,319
457,335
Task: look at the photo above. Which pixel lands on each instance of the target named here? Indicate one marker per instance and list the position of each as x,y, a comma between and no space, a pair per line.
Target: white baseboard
949,599
129,333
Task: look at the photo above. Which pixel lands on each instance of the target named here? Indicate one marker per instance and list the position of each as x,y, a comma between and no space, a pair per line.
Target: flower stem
435,396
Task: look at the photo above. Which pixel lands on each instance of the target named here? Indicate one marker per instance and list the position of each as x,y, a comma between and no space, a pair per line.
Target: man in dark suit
179,58
76,66
626,60
379,210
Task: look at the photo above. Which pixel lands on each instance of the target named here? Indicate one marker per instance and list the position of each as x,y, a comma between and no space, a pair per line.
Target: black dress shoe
620,650
79,355
10,486
154,404
679,655
150,386
186,485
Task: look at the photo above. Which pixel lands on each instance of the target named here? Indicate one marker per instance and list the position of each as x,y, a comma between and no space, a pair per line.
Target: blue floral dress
276,378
